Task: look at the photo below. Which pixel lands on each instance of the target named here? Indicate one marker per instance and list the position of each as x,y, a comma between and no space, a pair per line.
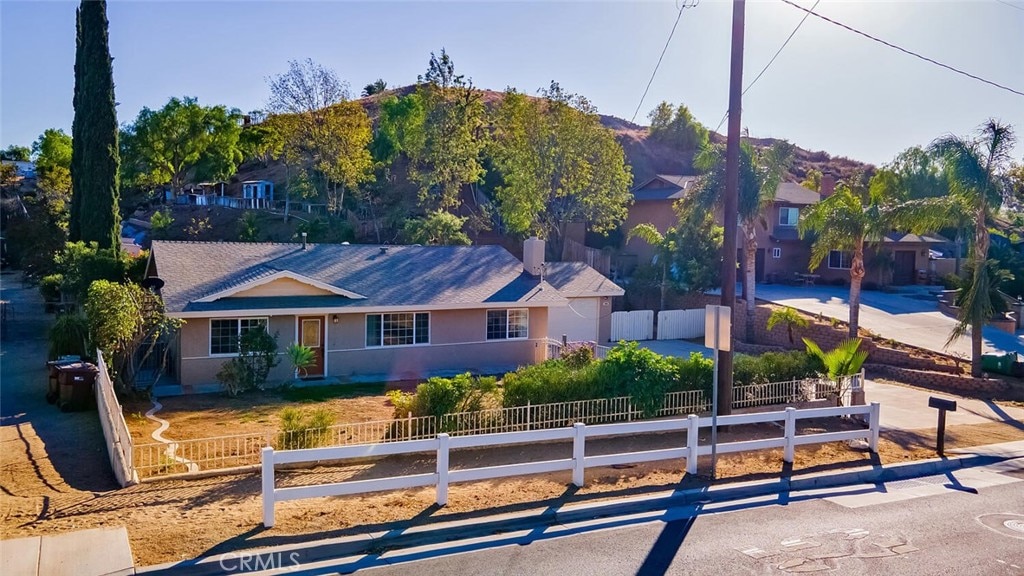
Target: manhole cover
1011,525
1017,525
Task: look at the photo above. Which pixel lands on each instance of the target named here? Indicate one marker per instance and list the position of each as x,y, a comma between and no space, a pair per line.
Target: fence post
528,415
874,424
267,455
578,451
442,469
692,443
790,450
408,426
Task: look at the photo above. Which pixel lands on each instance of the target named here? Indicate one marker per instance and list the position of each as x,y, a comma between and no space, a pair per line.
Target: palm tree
854,215
761,171
973,166
664,246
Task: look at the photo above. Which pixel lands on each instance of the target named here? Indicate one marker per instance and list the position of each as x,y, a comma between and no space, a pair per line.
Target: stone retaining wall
941,381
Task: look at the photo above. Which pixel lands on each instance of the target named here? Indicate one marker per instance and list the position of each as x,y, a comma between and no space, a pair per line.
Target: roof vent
383,249
303,240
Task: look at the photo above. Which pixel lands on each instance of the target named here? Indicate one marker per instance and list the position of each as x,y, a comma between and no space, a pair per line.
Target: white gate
635,325
680,324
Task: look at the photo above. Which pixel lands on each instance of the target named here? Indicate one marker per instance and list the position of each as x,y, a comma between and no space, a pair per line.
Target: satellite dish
152,283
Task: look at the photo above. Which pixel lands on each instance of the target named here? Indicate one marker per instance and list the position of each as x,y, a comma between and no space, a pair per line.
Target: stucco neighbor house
374,313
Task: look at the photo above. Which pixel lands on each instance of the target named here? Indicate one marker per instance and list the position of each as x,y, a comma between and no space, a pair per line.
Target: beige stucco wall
283,287
458,344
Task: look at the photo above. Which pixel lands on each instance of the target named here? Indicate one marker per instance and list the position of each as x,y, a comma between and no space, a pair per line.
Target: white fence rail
680,324
577,462
115,429
635,325
244,449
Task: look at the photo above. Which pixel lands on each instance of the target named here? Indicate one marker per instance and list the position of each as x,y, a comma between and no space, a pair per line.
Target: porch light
334,319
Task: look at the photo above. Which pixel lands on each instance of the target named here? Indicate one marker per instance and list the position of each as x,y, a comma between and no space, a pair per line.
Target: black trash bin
76,381
52,386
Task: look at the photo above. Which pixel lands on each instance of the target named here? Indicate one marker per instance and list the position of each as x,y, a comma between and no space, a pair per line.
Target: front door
903,267
311,334
759,265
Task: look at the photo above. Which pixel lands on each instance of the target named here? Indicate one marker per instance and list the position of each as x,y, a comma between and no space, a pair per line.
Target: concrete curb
439,532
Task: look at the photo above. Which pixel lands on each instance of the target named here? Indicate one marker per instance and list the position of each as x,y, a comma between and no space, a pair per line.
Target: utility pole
732,188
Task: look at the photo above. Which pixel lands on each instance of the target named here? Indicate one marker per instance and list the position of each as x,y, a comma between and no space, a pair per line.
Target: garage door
578,321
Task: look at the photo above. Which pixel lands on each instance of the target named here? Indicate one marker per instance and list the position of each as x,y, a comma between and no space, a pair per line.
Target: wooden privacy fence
115,429
680,324
599,260
635,325
577,461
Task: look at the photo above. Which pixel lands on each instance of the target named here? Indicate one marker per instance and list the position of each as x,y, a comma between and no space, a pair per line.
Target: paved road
912,527
911,317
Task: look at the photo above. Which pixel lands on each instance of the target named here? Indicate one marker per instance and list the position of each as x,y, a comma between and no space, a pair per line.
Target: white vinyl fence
635,325
577,462
115,430
680,324
226,452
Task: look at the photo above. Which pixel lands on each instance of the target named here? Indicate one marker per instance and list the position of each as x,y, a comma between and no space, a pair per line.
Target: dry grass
177,519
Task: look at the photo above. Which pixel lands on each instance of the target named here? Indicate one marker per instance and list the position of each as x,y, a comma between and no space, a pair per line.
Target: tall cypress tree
94,155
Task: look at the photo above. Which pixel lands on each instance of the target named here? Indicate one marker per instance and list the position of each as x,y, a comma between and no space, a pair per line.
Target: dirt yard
177,519
209,415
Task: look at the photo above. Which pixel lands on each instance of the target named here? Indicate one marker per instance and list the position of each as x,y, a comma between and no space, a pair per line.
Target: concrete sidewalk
906,408
96,552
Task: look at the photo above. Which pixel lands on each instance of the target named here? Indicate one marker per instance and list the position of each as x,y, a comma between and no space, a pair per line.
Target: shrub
301,357
789,318
578,355
304,428
49,287
69,335
645,376
774,367
439,396
549,382
693,373
257,355
952,282
843,360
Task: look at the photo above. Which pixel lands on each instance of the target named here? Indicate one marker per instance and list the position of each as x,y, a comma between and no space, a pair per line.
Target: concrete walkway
906,408
910,316
96,552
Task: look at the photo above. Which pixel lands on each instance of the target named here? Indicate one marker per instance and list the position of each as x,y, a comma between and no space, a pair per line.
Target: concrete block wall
941,381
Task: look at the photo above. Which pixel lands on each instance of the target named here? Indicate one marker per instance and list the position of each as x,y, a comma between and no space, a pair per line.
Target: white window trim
776,253
507,324
840,267
785,210
238,327
415,344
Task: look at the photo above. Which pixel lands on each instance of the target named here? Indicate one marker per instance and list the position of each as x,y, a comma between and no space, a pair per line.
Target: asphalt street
967,522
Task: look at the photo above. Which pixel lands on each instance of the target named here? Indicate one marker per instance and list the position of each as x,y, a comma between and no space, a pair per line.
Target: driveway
910,316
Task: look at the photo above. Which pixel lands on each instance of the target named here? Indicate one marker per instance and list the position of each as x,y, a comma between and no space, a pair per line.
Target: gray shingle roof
793,193
401,276
676,186
576,278
900,237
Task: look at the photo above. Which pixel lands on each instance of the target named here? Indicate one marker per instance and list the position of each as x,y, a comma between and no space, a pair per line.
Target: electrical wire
766,66
1011,4
679,15
906,51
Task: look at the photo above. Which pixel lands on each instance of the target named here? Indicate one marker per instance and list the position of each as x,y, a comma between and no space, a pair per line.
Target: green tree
449,155
261,142
974,167
160,222
326,132
52,152
789,318
559,165
856,214
676,127
95,155
184,135
15,153
761,171
437,228
812,180
375,87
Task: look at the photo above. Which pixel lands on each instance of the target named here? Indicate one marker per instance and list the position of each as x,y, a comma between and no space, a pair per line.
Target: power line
686,4
766,66
905,51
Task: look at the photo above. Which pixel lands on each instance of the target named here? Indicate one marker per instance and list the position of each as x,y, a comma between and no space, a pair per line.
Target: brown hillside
646,156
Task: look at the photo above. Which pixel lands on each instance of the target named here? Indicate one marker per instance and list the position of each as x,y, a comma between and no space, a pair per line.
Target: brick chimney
828,185
533,256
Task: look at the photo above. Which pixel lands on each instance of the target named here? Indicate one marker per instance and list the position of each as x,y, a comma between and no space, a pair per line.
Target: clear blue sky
829,89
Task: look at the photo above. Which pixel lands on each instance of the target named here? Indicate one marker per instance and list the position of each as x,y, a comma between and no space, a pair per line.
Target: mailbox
942,404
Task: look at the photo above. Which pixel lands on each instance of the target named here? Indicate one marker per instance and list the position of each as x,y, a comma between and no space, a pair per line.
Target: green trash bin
998,363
